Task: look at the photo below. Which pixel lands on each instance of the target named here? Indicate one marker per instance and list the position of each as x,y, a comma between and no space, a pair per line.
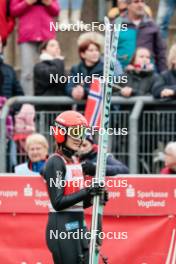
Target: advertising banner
139,224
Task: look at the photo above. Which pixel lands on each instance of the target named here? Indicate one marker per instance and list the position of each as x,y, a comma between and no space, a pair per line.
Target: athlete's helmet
70,123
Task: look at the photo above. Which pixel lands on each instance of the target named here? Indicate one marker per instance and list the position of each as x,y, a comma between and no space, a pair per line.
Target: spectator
51,62
89,47
24,126
121,8
88,155
165,87
9,85
170,159
140,74
34,19
76,9
165,12
37,151
9,133
9,120
24,122
141,32
6,22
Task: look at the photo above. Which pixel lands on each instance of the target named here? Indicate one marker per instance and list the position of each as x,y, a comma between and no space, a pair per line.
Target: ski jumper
66,219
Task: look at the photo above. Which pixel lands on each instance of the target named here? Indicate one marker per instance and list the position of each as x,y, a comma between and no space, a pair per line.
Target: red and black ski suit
66,216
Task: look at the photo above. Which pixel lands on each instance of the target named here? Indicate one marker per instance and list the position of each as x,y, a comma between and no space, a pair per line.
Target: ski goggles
77,132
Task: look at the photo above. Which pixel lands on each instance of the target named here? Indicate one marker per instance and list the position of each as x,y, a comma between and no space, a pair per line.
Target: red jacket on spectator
6,23
34,20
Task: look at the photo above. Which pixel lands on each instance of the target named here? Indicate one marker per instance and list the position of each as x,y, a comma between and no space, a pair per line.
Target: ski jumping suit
66,216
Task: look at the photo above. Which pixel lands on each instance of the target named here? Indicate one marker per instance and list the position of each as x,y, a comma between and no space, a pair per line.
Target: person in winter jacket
68,193
91,65
140,75
120,8
37,150
88,157
24,122
9,85
165,87
170,159
6,21
24,126
51,63
141,32
9,120
34,18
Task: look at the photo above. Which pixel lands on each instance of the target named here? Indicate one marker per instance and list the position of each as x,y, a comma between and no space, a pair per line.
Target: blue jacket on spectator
9,85
147,35
82,70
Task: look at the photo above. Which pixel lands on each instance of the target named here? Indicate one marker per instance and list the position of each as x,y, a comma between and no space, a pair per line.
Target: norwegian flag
94,104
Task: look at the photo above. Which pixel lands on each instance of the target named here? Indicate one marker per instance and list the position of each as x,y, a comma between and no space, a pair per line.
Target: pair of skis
110,57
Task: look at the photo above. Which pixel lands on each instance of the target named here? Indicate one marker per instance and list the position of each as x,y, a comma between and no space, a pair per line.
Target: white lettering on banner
114,195
152,194
40,194
26,262
45,203
151,203
9,194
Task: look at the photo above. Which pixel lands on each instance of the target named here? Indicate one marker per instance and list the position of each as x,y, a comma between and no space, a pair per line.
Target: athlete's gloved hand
104,198
97,188
89,168
102,192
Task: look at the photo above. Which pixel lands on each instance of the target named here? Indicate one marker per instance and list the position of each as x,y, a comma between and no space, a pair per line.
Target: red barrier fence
139,220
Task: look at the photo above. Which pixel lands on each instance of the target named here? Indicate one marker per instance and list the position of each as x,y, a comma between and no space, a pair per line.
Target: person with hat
88,156
62,171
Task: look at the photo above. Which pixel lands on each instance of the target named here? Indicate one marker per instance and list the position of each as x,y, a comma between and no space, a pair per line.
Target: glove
89,168
104,198
102,192
95,189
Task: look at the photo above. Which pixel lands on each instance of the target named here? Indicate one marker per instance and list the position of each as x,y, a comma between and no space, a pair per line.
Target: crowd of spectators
141,55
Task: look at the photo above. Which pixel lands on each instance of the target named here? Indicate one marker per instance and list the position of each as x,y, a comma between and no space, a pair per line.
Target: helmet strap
66,151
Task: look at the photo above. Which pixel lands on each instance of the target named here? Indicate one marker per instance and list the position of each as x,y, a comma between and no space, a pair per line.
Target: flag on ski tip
94,104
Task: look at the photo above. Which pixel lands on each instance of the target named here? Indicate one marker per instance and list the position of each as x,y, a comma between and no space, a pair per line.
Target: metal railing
129,148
